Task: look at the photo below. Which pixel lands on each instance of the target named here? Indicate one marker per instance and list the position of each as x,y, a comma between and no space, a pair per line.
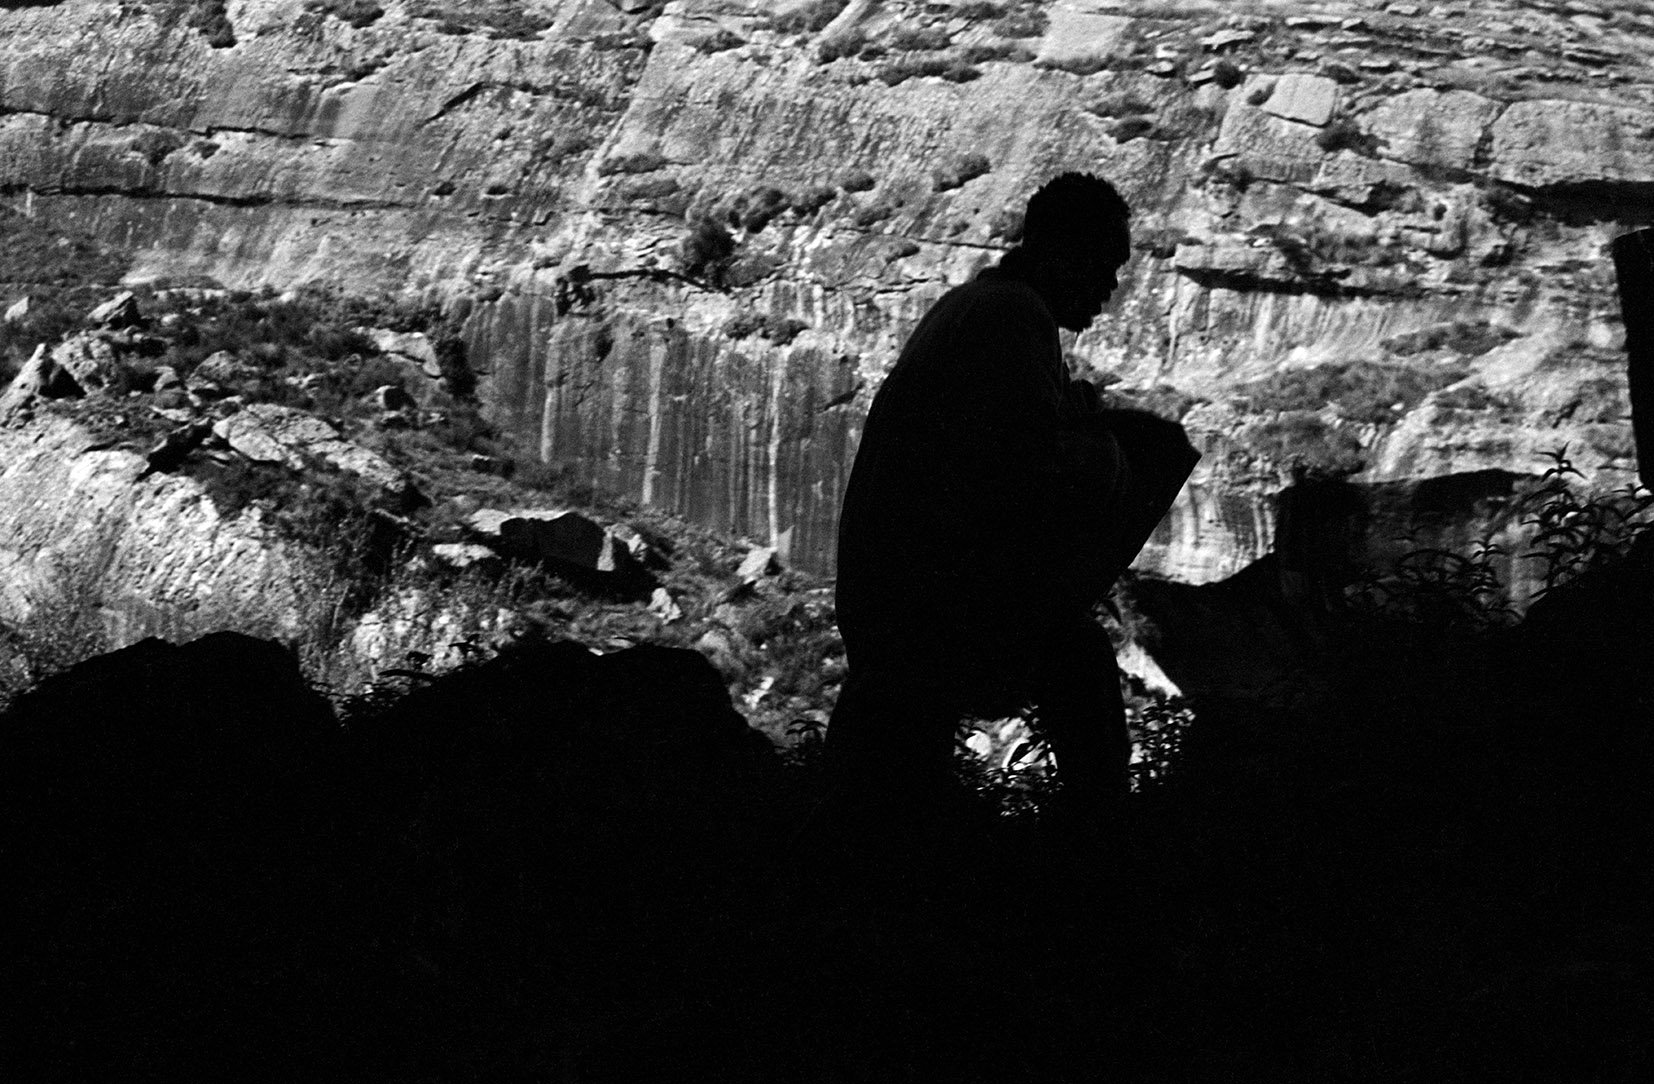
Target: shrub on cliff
499,18
707,250
951,68
1358,391
358,13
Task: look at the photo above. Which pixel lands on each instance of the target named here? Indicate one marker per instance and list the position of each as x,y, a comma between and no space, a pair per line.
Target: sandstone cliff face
1420,191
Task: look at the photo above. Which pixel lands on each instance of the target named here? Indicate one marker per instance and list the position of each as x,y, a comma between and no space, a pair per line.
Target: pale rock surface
270,433
83,528
91,361
1303,97
414,346
40,378
1427,127
16,311
758,563
223,369
118,312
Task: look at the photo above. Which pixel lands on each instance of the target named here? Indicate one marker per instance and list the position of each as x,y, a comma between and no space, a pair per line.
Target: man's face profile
1082,284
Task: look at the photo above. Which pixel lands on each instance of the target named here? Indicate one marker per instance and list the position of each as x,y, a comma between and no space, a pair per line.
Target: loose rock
119,311
555,535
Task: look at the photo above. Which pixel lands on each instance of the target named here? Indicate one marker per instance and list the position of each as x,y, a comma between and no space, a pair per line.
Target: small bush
919,39
873,214
640,162
498,18
978,11
811,200
1343,134
1308,446
721,41
857,180
962,170
953,69
992,51
1120,104
1227,74
1081,65
707,249
1127,129
847,43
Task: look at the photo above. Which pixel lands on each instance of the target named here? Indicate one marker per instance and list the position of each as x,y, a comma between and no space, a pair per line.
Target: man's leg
890,740
1076,693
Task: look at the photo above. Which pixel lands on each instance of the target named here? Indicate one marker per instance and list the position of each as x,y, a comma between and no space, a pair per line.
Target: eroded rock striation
689,237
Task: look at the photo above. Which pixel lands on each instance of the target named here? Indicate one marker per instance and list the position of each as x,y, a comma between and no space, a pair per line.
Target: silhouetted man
972,541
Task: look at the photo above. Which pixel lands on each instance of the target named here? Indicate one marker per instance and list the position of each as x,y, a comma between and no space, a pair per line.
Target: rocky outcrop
1310,190
268,433
84,529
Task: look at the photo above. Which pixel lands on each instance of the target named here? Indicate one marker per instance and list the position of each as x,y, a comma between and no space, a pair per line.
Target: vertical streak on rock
778,384
651,457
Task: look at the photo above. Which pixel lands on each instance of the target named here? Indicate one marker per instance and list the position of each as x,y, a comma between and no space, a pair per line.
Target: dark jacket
961,516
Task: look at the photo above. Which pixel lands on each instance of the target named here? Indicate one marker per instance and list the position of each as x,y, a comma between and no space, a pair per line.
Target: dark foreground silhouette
560,867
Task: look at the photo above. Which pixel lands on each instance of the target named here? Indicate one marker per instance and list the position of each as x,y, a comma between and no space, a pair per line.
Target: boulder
40,378
176,446
412,346
222,369
91,361
664,606
16,311
119,311
759,563
1543,144
391,398
1306,98
1431,128
166,379
557,536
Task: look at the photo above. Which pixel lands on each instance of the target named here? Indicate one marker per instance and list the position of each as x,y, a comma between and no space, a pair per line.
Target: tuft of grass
951,68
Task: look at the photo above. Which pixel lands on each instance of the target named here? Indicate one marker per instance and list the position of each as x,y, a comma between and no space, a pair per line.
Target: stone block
1300,96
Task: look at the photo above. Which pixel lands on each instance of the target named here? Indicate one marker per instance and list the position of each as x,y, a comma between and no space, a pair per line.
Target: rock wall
1423,188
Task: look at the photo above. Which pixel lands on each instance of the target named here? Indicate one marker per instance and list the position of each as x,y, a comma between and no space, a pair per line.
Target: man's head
1075,237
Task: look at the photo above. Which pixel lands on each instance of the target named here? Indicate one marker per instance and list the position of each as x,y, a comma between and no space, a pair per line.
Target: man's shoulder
994,296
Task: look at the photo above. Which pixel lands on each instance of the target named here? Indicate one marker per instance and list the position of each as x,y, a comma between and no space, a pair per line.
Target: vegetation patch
1357,391
1468,338
919,39
1307,445
962,170
951,68
358,13
498,18
706,252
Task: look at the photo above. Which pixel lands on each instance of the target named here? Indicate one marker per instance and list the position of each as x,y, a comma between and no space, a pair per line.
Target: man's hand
1081,398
